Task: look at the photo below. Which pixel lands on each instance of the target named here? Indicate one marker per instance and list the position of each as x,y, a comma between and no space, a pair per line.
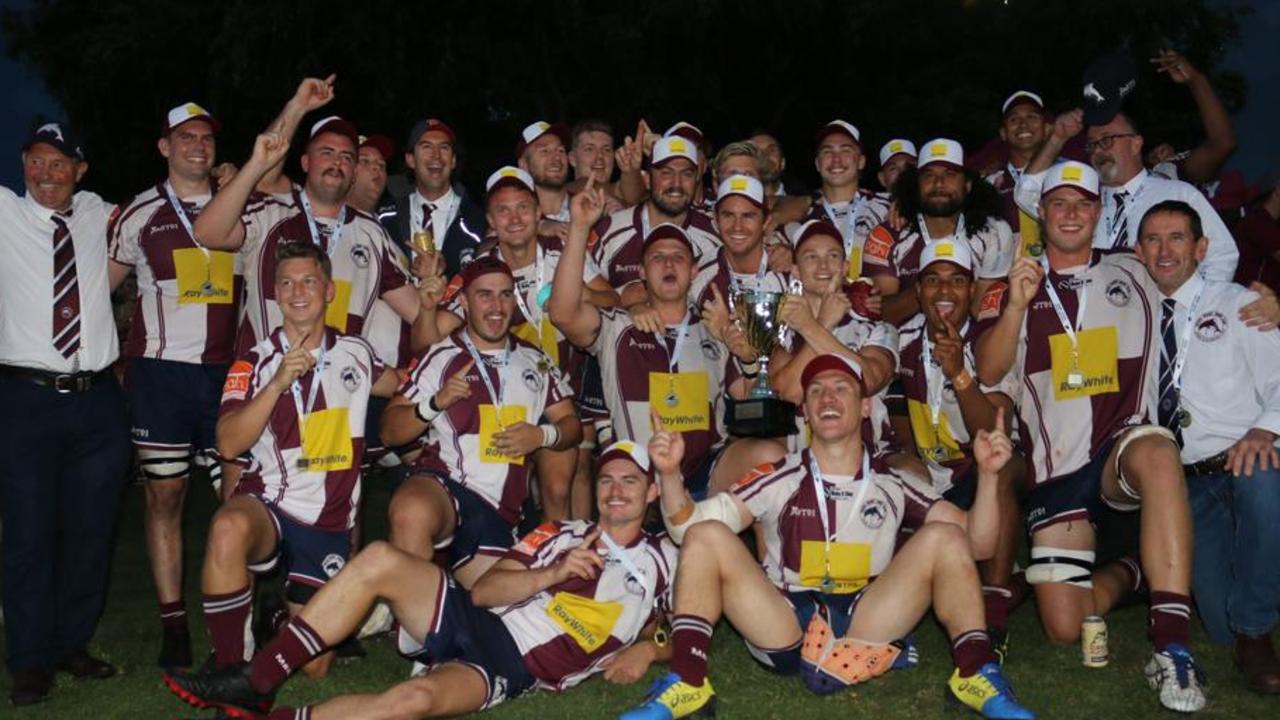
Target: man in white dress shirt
1218,391
64,439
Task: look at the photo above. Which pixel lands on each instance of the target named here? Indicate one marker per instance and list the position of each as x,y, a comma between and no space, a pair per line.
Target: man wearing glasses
1128,189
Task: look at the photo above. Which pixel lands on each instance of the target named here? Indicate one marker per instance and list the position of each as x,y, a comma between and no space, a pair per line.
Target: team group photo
611,373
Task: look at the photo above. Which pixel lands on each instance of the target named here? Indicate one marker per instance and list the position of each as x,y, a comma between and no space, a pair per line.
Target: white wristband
550,435
424,410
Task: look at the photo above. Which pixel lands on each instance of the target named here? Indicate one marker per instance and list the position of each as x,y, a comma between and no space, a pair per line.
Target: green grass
1048,679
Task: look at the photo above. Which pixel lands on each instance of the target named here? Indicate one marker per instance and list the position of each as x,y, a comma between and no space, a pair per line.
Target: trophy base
760,417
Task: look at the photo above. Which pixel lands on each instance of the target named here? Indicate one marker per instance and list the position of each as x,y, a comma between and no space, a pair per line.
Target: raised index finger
656,421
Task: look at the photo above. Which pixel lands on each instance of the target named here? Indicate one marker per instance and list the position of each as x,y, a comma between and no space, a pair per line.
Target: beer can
1093,642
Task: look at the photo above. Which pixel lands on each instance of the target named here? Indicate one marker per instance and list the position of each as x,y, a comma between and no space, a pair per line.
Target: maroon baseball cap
484,265
813,229
381,143
422,127
830,361
666,231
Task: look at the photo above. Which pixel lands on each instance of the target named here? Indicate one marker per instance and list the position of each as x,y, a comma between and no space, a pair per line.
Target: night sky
1255,56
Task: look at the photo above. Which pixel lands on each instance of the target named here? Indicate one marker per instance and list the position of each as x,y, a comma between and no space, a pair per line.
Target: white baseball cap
744,185
942,150
1071,174
534,131
897,146
189,111
841,127
674,146
1024,96
627,450
951,251
509,175
688,131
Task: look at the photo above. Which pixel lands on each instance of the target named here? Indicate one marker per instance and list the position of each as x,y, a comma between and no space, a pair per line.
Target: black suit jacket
460,239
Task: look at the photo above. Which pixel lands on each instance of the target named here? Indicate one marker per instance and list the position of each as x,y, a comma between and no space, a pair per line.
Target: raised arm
569,308
997,349
239,429
218,226
312,94
1207,158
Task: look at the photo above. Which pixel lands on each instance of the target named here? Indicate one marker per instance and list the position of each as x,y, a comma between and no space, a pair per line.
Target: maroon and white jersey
459,442
533,289
715,270
854,219
865,522
616,243
856,332
306,463
385,330
1061,428
364,264
683,381
896,253
566,631
946,447
188,295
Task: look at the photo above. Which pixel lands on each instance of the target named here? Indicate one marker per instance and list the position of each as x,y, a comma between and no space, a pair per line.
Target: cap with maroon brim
743,186
536,131
509,176
666,231
484,265
627,450
381,143
948,251
897,146
422,127
942,150
813,229
838,127
827,362
671,147
688,131
1074,175
58,137
187,112
338,126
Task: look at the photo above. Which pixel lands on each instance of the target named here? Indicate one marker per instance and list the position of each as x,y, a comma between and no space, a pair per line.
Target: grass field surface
1048,679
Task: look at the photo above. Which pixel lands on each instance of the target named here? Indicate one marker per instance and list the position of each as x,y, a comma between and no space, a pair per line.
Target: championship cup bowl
763,413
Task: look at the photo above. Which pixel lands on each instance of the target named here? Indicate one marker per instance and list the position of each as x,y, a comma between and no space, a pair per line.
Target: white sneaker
379,621
1178,679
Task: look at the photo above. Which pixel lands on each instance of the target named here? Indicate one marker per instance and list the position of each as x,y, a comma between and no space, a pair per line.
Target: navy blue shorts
1077,496
698,482
461,632
838,609
964,489
591,397
479,530
311,555
373,445
173,405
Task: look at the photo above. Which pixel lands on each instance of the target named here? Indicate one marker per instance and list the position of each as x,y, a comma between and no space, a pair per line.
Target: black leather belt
64,383
1208,466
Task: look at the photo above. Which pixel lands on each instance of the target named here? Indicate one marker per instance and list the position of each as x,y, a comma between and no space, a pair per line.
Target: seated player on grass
572,599
297,404
832,525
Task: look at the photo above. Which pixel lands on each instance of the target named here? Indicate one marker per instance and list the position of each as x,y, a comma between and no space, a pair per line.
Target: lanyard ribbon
296,386
633,572
316,237
1081,295
495,396
819,488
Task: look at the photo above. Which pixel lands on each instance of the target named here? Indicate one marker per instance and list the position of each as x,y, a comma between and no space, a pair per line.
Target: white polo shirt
26,284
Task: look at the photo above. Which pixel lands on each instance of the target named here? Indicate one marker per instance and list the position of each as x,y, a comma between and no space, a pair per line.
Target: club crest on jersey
710,351
992,301
1118,293
332,564
350,378
1210,326
360,255
532,380
873,513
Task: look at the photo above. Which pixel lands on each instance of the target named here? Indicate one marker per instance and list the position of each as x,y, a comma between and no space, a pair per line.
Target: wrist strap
550,435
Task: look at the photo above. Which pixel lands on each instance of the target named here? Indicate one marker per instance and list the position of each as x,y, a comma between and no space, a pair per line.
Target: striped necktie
1120,219
66,291
1167,411
428,219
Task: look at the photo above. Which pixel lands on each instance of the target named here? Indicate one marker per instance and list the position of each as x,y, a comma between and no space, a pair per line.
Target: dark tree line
914,69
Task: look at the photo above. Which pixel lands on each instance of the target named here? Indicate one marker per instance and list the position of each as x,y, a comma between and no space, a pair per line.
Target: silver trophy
763,413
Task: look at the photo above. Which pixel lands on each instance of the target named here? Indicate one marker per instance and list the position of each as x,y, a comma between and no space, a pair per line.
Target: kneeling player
831,526
570,600
297,403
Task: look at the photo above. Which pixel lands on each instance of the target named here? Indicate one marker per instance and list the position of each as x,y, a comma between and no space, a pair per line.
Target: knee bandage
164,464
209,462
1056,565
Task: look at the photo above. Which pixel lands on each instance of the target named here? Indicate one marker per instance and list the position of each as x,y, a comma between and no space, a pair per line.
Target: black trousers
63,464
